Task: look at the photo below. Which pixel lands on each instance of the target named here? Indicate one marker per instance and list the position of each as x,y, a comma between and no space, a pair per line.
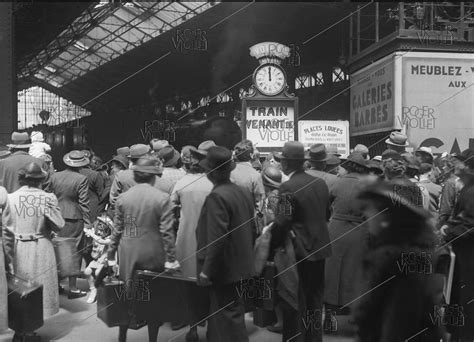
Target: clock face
269,79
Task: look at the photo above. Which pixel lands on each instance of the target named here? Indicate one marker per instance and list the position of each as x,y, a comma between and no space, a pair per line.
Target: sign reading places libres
334,133
270,126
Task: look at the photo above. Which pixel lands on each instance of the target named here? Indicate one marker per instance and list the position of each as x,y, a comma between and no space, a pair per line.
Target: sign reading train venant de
334,133
269,125
372,98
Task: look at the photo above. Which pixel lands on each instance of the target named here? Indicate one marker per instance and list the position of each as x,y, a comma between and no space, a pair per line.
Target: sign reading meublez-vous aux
334,133
270,126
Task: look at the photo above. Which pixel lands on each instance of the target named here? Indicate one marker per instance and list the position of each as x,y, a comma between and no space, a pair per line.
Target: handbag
25,304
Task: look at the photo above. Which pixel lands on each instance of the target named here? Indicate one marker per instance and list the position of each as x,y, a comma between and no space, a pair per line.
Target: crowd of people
344,234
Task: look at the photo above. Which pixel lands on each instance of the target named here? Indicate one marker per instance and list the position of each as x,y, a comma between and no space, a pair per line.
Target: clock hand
269,74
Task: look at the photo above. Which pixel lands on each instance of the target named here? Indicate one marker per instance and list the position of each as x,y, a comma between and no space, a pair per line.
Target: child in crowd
100,233
38,147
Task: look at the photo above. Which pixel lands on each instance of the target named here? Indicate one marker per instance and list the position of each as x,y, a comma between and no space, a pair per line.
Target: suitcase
113,307
67,257
25,304
171,298
266,287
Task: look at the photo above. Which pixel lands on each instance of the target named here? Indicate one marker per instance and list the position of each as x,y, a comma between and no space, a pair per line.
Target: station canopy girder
103,32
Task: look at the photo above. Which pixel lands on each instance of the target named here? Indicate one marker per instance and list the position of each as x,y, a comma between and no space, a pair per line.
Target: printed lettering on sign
270,126
325,132
372,98
440,118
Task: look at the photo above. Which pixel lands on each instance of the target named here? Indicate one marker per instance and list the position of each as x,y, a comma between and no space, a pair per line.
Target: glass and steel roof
105,31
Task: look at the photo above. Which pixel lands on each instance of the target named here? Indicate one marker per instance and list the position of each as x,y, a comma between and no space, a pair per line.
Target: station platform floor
77,321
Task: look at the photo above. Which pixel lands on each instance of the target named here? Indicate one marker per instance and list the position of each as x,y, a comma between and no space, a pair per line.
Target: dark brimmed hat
397,139
148,165
75,159
203,148
357,158
20,140
138,151
271,177
121,160
33,171
292,150
317,152
169,156
218,158
399,194
466,156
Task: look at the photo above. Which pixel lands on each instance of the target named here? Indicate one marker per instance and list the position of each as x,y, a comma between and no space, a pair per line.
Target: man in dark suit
318,159
71,188
225,247
18,159
307,199
96,187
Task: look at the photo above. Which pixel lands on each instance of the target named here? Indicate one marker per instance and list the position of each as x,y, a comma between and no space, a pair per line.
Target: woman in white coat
29,218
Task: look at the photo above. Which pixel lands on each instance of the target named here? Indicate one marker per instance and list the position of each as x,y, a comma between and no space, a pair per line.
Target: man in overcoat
71,189
307,200
17,160
225,247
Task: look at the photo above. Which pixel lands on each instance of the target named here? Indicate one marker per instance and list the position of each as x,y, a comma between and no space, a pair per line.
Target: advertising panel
372,98
334,133
437,100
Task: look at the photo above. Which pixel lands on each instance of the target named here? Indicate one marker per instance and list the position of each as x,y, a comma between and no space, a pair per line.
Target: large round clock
270,79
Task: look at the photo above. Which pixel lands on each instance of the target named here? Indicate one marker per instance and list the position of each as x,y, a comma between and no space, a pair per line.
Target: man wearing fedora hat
17,160
72,190
225,234
124,180
397,142
318,159
306,222
171,158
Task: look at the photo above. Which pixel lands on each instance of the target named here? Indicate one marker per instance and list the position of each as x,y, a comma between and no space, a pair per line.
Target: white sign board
437,100
270,126
325,132
372,98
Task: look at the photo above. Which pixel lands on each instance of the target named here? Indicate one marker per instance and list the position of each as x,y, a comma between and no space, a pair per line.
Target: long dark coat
225,235
461,233
398,305
96,187
347,241
142,233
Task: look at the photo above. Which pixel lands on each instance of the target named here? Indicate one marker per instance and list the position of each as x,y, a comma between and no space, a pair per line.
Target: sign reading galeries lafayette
372,91
334,133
